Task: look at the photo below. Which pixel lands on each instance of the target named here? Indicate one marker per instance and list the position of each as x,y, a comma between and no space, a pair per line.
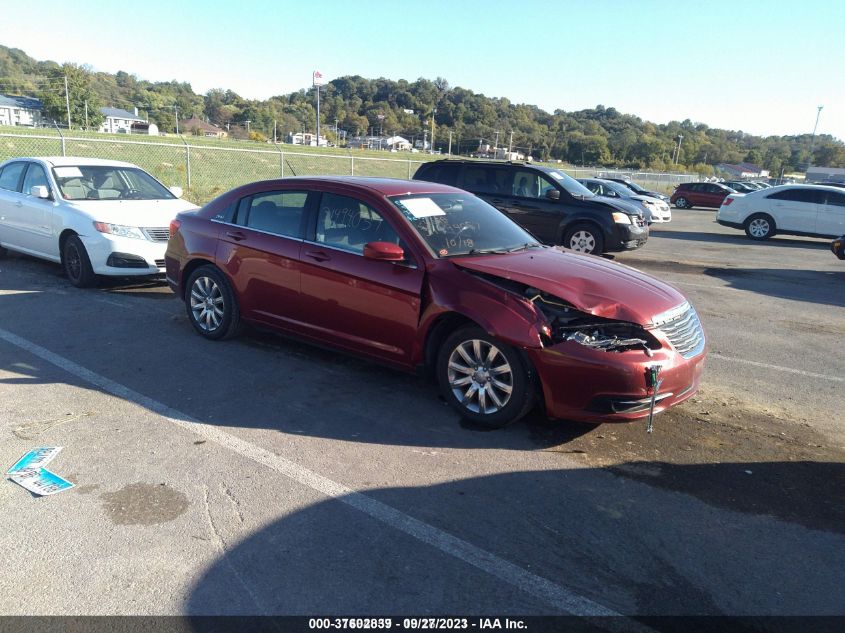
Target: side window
348,224
530,184
277,212
35,177
10,177
475,179
799,195
836,199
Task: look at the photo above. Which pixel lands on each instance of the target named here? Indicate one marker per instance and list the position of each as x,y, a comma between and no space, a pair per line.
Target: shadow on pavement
627,541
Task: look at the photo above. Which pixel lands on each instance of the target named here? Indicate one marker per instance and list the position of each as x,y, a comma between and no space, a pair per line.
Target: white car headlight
120,230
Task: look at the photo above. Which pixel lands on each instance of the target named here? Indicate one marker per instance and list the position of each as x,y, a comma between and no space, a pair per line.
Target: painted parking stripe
788,370
553,594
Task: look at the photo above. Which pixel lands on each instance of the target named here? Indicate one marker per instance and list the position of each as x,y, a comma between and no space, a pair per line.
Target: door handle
319,256
236,235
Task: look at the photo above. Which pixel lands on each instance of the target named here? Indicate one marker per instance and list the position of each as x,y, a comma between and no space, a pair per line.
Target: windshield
461,224
635,187
619,188
103,182
571,185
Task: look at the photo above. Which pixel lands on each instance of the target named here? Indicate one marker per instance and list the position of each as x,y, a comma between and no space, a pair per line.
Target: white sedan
811,210
95,217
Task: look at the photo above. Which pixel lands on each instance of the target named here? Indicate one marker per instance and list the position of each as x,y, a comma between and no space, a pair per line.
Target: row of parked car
416,274
812,210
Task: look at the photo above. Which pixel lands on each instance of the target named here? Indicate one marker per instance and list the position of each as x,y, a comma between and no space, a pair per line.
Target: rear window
812,196
444,173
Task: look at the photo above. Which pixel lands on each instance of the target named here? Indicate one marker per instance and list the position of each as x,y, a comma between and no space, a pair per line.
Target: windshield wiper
525,246
488,251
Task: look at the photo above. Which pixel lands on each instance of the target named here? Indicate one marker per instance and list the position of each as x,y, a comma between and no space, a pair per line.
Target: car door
521,194
368,306
38,222
831,219
796,209
712,195
260,251
12,231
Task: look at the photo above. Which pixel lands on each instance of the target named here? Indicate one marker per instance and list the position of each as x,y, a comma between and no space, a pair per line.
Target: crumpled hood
145,213
589,283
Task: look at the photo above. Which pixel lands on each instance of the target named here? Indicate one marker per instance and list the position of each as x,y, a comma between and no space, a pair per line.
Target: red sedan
421,275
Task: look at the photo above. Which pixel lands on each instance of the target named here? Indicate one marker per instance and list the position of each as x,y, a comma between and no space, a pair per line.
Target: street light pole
678,154
813,138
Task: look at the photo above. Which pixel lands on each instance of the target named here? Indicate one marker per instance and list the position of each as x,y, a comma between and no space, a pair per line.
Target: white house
20,111
397,143
307,138
119,121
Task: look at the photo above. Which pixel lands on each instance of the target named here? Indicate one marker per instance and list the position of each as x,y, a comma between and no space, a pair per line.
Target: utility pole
678,154
86,114
274,130
813,138
496,144
510,144
317,80
433,112
67,103
450,143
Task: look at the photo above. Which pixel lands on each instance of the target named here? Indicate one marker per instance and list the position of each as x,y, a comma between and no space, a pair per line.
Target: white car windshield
461,224
571,185
104,182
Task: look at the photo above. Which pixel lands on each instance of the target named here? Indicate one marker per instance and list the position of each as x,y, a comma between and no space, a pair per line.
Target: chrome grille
683,329
157,233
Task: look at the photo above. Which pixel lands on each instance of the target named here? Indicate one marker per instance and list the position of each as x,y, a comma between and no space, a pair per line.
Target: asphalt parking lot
266,476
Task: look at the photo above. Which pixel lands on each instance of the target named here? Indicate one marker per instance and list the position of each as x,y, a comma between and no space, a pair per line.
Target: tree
80,96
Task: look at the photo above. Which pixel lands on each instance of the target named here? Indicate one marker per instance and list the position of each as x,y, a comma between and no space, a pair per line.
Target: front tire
483,379
584,238
77,264
211,305
760,226
683,203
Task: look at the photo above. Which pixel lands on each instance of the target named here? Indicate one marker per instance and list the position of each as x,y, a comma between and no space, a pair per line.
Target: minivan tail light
727,201
174,226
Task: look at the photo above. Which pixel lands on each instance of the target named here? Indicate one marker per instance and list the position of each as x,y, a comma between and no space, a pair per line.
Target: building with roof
198,127
15,110
307,138
119,121
743,170
825,174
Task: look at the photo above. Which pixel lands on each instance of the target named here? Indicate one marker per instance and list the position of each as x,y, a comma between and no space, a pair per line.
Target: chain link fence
206,170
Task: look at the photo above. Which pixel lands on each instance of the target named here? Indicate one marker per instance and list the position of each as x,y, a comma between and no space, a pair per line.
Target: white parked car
95,217
811,210
653,209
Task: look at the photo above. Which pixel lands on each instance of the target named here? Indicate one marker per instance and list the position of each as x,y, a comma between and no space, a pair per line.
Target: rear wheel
76,263
211,304
483,379
683,203
760,226
584,238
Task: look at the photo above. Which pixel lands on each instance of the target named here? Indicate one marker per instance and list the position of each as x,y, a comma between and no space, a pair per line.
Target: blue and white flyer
40,481
35,459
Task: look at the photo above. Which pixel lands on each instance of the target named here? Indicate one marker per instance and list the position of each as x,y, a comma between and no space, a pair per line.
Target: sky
759,67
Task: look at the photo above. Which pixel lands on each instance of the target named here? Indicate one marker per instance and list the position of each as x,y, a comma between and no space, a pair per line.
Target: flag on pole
318,78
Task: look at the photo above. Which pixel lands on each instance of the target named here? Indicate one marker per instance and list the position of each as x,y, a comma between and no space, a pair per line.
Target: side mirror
553,194
40,191
176,191
384,251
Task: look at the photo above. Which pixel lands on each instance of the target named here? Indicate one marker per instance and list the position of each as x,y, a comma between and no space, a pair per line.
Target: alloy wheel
480,376
207,304
73,261
759,227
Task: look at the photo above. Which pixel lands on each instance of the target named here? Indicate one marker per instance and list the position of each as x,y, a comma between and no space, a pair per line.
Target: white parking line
788,370
537,586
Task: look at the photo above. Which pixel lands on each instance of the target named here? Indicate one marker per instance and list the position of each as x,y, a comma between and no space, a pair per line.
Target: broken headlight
565,323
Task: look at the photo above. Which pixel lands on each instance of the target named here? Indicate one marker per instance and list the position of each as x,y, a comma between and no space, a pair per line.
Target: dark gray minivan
553,206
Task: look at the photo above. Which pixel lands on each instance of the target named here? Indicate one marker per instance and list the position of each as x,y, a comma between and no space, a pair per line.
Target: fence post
62,136
187,160
409,169
281,158
352,166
